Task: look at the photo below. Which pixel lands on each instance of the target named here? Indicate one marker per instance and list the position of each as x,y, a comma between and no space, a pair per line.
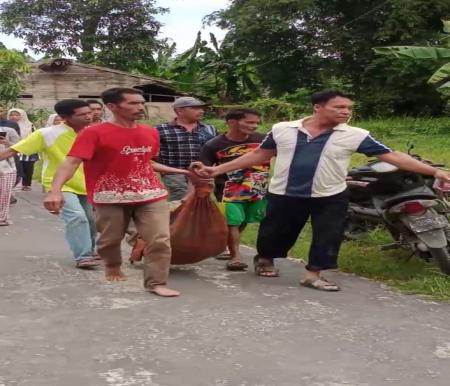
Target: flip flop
223,256
87,263
236,266
320,284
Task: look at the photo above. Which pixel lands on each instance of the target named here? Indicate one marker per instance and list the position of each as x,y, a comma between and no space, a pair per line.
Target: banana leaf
445,87
446,23
441,75
214,42
414,52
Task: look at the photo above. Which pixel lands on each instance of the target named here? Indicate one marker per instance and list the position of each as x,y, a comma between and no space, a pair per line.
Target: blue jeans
80,230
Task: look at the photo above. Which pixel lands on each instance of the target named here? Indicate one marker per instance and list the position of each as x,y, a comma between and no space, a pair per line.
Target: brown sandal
320,284
236,266
264,269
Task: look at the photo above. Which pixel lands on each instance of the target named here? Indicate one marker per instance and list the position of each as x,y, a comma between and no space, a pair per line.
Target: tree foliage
116,33
302,43
441,77
273,34
209,68
273,50
12,65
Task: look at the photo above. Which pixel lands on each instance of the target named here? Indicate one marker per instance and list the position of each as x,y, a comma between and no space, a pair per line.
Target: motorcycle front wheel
442,256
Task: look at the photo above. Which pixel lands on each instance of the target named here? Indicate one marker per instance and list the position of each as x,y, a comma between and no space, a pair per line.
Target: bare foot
114,274
162,290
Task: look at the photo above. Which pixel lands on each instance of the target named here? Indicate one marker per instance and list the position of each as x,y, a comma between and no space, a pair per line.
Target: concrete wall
160,111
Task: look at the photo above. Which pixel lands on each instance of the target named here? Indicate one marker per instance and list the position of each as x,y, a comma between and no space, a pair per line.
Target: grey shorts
177,185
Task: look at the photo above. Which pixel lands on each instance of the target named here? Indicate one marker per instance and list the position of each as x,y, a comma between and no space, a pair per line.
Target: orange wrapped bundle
198,229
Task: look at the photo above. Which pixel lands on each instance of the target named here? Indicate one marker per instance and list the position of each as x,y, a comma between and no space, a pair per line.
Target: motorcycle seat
359,170
414,194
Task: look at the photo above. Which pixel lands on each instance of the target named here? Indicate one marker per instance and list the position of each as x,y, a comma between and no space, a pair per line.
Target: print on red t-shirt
117,163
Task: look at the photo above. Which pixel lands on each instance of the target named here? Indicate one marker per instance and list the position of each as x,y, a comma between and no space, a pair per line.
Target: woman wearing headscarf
8,137
27,162
53,120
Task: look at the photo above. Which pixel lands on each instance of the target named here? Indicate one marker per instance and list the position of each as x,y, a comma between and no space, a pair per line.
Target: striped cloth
7,182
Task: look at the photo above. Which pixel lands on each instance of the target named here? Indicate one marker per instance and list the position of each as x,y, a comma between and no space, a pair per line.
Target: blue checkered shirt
179,147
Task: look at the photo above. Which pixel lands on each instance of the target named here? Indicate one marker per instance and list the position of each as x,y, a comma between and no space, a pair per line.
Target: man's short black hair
67,107
115,94
322,97
94,101
238,114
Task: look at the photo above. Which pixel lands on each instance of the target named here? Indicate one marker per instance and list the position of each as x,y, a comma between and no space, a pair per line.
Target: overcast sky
181,24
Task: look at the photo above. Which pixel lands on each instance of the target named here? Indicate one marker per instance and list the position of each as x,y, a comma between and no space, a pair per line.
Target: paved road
64,327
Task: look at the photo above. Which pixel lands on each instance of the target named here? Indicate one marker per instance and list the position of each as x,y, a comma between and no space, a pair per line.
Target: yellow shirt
53,143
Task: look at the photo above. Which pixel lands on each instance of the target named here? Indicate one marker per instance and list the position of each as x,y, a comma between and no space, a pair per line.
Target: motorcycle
412,207
441,190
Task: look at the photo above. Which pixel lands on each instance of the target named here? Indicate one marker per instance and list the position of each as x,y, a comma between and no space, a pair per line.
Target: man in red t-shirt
122,184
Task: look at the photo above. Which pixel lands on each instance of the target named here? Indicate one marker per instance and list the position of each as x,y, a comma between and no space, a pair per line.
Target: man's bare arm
7,153
160,168
54,200
406,162
253,158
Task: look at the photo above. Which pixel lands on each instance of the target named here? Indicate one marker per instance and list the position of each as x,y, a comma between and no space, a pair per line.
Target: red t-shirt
117,163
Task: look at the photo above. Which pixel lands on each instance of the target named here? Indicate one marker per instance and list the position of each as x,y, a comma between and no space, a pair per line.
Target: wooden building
51,80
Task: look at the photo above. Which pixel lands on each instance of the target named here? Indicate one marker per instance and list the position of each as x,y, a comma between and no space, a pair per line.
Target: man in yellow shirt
54,143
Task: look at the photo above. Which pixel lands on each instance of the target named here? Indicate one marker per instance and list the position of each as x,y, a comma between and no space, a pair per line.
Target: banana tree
234,76
441,78
214,69
187,66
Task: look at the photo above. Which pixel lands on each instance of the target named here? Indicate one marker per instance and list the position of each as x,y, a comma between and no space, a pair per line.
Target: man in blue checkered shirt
181,141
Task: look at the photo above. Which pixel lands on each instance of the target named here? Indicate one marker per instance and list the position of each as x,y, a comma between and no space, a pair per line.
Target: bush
406,126
274,109
39,117
382,128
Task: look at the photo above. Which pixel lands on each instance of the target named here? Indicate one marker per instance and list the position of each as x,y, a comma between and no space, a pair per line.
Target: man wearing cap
181,141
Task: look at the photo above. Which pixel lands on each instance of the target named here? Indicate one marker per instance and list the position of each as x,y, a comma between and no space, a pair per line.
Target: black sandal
264,269
236,266
223,256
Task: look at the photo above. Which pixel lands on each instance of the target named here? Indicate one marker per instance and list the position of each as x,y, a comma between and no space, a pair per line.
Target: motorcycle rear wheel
442,256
